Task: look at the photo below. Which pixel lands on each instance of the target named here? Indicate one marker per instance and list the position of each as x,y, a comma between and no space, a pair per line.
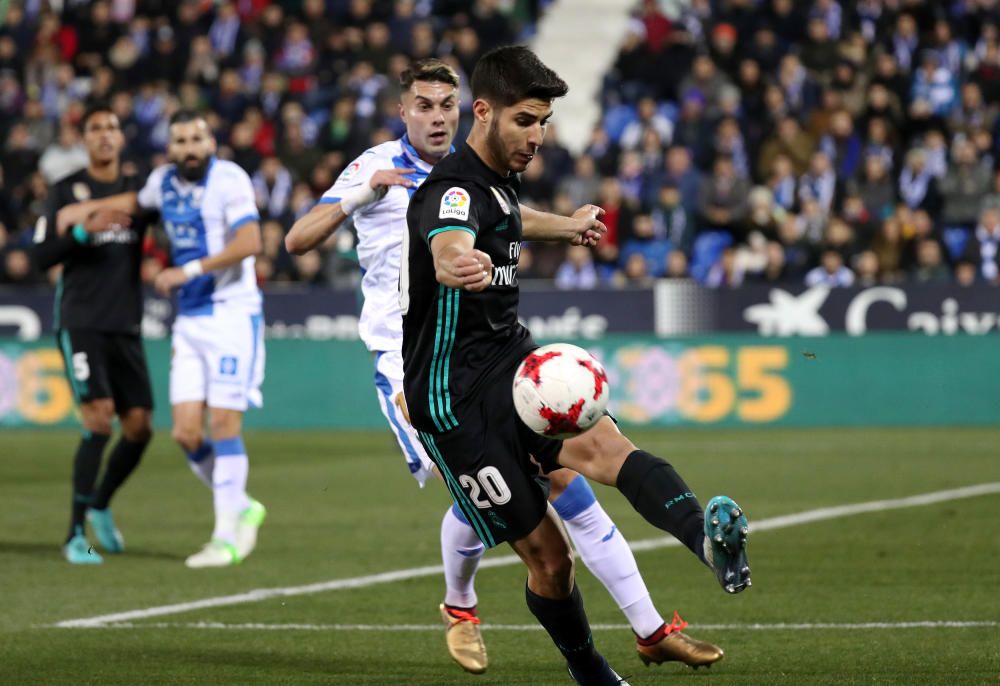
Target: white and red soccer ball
560,390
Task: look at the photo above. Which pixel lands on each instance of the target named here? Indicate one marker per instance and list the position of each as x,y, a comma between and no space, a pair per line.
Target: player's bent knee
553,573
606,441
98,416
224,423
548,557
599,453
141,434
137,425
99,426
189,438
559,567
559,481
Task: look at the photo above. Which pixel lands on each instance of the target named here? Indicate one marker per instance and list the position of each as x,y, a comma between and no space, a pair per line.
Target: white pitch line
780,626
779,522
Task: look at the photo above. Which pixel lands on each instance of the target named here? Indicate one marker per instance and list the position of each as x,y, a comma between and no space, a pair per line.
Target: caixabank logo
930,311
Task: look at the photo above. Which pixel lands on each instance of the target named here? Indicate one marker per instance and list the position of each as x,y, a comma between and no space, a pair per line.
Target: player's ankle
457,611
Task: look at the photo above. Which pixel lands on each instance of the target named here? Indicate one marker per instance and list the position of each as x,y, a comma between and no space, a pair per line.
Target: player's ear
482,110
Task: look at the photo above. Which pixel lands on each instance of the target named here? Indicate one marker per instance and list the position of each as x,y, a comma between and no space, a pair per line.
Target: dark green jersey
455,341
100,287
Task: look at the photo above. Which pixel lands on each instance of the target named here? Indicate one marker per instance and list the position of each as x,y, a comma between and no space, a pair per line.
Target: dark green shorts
490,463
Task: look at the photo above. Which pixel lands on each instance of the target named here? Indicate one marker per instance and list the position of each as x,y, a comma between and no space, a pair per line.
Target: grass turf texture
341,505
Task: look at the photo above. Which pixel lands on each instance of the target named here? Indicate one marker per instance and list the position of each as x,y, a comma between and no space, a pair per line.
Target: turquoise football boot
108,535
726,530
78,551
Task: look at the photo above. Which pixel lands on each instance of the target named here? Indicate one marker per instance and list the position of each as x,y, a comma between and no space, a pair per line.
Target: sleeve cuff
244,220
449,228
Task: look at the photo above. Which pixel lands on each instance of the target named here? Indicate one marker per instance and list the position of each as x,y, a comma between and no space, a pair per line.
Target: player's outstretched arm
102,214
457,264
313,228
584,227
51,247
245,242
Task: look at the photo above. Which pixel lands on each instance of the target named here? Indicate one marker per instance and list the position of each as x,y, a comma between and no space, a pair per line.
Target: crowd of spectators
293,90
775,141
780,141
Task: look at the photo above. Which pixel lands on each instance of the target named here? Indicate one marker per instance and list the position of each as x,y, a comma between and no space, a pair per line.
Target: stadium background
742,150
803,209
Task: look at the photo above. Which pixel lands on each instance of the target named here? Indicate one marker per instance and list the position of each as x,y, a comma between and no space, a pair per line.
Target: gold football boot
465,643
669,644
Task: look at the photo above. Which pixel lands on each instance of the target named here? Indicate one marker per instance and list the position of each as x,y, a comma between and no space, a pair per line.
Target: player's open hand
383,178
474,270
169,279
107,220
588,227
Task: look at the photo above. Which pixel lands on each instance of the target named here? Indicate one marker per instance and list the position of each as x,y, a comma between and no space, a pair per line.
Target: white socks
607,555
596,538
229,487
461,551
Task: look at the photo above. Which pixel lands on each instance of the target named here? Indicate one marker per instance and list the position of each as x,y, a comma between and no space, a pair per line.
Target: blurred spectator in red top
657,26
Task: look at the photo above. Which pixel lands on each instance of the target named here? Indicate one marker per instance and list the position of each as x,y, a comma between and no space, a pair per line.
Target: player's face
103,137
516,132
191,145
430,111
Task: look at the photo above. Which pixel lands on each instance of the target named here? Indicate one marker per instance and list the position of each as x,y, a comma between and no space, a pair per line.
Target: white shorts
218,358
389,384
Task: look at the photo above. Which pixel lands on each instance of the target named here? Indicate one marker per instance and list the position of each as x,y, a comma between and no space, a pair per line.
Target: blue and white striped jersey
200,219
380,228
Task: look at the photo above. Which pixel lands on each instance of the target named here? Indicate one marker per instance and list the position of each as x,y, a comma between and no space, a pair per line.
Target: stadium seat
955,238
655,252
706,251
669,110
617,118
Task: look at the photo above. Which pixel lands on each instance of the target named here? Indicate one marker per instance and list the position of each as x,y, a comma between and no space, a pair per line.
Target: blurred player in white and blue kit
209,211
374,190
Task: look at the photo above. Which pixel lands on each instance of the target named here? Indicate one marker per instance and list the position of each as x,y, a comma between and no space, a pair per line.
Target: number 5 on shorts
492,484
81,368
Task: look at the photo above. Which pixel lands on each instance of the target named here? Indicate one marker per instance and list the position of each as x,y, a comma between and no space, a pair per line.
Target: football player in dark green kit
462,342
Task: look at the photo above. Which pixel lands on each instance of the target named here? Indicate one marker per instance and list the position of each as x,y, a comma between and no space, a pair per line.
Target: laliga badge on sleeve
455,204
349,171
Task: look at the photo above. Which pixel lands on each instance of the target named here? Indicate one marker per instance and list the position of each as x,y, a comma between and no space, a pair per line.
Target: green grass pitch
341,505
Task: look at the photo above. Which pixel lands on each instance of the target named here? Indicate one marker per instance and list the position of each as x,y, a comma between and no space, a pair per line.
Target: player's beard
495,144
192,173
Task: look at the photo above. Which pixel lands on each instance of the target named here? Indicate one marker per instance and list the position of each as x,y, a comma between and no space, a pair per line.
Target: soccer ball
560,390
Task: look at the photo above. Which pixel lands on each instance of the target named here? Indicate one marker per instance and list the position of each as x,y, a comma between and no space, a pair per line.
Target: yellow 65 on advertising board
758,393
703,384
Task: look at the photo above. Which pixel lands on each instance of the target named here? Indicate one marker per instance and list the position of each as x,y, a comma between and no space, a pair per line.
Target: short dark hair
185,116
512,73
93,108
431,70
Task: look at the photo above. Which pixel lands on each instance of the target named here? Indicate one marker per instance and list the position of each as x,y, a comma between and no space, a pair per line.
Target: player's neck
105,173
477,141
427,157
